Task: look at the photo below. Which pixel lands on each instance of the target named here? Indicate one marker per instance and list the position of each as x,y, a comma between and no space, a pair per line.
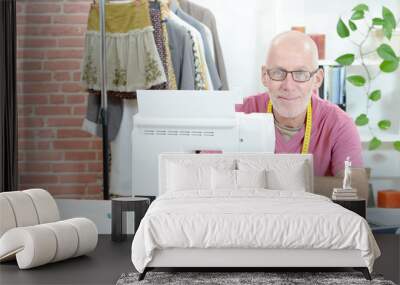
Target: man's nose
289,83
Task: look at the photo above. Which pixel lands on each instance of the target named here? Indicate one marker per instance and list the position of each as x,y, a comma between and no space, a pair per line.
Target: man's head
291,51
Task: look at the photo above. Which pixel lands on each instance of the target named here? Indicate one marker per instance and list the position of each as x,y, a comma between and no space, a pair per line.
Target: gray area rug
273,278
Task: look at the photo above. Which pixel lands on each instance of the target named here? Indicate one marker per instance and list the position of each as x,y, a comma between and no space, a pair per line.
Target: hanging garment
155,15
212,69
180,45
201,80
170,69
210,40
205,16
121,149
92,122
202,75
133,61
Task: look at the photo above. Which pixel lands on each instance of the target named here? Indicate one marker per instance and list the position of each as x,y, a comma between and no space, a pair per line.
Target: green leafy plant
346,28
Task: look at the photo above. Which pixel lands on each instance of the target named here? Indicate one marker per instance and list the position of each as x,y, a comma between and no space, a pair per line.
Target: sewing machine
191,122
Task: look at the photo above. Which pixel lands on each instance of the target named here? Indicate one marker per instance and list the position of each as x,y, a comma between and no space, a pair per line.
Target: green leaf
357,15
346,59
389,22
377,21
356,80
384,124
388,16
386,52
361,7
362,120
342,29
389,66
396,145
387,30
375,95
374,143
352,26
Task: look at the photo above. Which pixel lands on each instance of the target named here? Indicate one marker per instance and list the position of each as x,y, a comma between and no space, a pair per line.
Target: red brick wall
54,153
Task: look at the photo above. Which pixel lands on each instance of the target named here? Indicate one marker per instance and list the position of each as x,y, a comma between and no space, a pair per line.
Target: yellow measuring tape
307,133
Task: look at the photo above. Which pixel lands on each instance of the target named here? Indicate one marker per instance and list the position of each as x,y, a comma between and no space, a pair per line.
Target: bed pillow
278,180
281,173
251,179
223,179
226,179
188,177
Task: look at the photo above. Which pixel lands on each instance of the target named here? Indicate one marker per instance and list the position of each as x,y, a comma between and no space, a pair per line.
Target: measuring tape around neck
307,133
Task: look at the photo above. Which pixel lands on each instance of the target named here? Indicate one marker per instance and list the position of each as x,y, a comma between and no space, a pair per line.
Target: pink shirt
334,136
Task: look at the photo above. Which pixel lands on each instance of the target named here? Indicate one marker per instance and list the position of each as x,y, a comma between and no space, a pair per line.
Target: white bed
201,220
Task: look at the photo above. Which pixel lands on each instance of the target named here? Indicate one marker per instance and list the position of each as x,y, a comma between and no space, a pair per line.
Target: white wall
247,27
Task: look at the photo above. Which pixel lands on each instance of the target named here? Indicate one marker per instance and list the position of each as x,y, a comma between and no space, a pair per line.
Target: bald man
292,78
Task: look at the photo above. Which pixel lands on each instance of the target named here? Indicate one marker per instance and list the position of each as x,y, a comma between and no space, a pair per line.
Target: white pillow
282,173
251,178
293,180
223,179
226,179
188,177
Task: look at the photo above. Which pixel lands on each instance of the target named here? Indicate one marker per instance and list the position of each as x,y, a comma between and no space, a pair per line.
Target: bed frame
244,259
249,259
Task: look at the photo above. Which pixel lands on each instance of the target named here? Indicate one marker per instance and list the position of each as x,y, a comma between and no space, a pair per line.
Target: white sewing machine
191,122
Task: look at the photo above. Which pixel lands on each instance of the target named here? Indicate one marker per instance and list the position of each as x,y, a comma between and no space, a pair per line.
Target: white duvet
250,219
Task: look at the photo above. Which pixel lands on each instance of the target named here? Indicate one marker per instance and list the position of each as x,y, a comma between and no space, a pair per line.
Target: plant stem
368,53
363,64
353,42
376,75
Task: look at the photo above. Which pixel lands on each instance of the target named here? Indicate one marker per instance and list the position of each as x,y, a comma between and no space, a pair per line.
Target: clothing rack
103,109
103,117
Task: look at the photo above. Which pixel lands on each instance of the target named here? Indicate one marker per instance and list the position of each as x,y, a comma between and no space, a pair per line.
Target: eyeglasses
278,74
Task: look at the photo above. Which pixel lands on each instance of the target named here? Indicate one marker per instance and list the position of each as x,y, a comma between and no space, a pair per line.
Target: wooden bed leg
364,271
142,275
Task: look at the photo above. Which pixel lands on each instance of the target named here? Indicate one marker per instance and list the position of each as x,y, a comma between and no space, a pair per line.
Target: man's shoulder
254,103
329,111
259,99
258,96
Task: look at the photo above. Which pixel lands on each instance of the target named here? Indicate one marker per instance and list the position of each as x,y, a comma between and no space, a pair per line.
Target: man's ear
264,75
319,78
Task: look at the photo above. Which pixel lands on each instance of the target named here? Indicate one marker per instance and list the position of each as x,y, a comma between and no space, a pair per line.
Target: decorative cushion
181,177
282,173
251,178
226,179
279,180
223,179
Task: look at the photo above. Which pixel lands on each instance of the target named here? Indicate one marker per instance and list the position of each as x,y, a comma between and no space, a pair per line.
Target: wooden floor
103,266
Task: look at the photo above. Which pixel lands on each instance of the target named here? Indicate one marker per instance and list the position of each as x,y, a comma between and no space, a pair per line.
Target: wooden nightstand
358,206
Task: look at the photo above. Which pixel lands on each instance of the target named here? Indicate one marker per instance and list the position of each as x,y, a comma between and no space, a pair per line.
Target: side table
139,205
358,206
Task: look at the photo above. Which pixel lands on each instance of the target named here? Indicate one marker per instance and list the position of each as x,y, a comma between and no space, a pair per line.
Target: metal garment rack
103,109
